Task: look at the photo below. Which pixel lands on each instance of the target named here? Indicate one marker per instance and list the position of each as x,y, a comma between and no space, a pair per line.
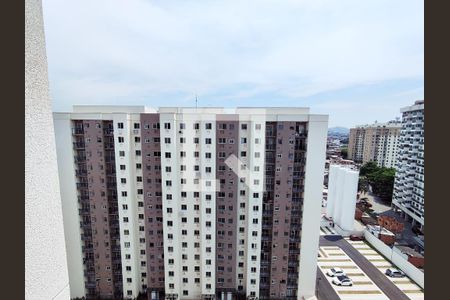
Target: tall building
377,142
192,203
409,178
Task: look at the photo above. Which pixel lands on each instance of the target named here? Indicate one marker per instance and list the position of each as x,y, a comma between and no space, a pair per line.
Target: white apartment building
188,203
409,178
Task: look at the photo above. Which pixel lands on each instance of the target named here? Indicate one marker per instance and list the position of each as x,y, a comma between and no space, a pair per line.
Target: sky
357,61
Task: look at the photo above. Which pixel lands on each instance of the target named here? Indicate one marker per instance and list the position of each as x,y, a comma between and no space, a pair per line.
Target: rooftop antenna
196,101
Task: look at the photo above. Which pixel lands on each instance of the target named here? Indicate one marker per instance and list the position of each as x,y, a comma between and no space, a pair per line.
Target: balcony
82,185
79,145
108,145
81,172
77,131
108,132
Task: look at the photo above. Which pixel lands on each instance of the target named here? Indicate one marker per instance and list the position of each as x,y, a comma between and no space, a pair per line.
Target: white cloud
103,50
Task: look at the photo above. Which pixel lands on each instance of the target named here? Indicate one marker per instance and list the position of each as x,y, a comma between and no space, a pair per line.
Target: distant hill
338,130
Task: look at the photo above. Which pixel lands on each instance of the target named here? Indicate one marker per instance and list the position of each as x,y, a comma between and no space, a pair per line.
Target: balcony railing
79,145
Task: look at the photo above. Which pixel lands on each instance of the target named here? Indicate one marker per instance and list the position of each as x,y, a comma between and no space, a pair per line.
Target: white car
342,281
391,272
335,272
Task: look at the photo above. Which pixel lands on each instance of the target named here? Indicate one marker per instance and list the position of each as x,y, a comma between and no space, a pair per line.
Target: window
120,125
123,180
137,139
168,155
166,125
208,126
244,126
208,154
182,140
196,126
208,141
230,141
243,153
243,140
138,166
182,126
122,153
257,126
121,139
167,140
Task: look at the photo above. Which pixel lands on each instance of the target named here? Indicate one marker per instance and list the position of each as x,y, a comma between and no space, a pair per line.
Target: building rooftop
409,251
389,124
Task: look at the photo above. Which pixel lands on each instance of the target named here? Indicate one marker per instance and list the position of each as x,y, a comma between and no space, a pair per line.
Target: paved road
324,289
390,289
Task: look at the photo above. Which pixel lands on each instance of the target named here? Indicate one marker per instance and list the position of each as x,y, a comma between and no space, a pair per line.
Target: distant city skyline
356,61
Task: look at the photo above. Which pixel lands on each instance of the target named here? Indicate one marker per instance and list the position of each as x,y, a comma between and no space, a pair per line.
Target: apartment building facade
376,142
409,178
191,203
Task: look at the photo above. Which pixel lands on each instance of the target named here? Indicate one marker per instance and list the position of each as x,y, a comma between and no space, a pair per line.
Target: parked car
335,272
391,272
342,281
355,237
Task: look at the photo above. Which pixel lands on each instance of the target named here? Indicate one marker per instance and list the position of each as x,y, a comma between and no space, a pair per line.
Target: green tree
363,184
380,179
344,152
368,168
382,182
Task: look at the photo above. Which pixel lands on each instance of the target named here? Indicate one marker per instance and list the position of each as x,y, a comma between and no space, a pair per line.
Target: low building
411,255
382,233
391,224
